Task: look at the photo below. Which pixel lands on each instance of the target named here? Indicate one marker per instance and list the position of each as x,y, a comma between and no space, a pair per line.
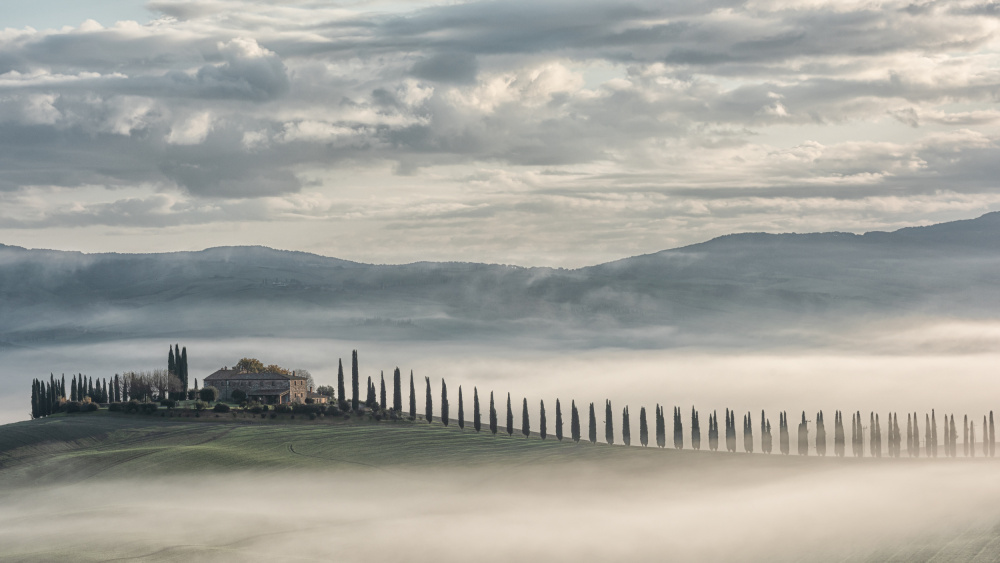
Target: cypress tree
413,398
993,442
184,371
934,434
477,422
574,422
369,392
661,428
713,431
461,410
770,437
643,428
820,435
429,405
783,441
965,436
838,434
525,423
493,416
871,436
355,382
765,438
118,389
626,429
171,362
972,438
559,421
397,392
909,435
444,403
72,389
609,428
34,398
928,438
593,425
747,434
695,430
678,429
510,418
730,431
382,403
541,420
803,436
986,439
341,393
916,436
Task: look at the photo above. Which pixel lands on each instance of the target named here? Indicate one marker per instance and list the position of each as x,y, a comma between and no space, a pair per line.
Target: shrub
200,405
309,401
149,408
73,406
263,415
256,409
312,416
208,394
169,403
238,395
282,408
274,415
347,417
89,407
266,408
221,407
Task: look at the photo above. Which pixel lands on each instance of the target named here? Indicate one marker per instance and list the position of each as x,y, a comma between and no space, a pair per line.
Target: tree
493,416
661,428
713,431
341,391
803,436
820,435
916,436
695,430
249,365
445,414
413,399
541,420
525,423
730,431
574,422
476,422
747,434
972,438
965,436
626,428
72,392
355,383
34,399
993,441
592,425
184,371
370,400
171,361
559,421
118,389
678,429
429,405
461,410
510,418
382,398
643,429
609,425
238,395
397,392
838,434
986,439
783,441
209,394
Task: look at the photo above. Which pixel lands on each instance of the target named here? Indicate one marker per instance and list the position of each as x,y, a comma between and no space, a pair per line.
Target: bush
283,408
309,401
312,416
256,409
89,407
169,403
73,406
200,405
221,407
266,408
274,415
238,395
209,394
113,407
149,408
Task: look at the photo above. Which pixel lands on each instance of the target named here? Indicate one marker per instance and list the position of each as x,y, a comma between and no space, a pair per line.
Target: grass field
106,486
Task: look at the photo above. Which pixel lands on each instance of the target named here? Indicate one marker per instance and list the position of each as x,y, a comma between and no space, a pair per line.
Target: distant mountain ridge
732,285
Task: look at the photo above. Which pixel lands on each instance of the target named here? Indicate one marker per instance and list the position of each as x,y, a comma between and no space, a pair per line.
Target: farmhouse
266,387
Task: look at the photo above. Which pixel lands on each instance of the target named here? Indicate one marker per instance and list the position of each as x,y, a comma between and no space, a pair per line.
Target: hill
738,287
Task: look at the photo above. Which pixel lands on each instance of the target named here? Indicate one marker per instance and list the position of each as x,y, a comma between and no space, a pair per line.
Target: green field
108,486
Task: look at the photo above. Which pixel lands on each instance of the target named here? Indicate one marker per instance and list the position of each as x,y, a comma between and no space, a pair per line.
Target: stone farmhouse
268,388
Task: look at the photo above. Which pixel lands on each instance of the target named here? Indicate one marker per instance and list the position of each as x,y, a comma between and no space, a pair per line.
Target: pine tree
461,410
355,382
695,430
525,423
643,428
541,420
493,416
445,411
609,428
413,398
477,422
341,393
574,422
429,402
397,392
593,425
382,403
626,428
820,435
510,418
559,421
661,428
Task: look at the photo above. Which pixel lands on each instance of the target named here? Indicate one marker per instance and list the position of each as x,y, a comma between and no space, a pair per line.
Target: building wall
226,387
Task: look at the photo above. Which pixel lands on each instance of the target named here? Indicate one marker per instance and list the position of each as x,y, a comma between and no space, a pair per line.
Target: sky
535,133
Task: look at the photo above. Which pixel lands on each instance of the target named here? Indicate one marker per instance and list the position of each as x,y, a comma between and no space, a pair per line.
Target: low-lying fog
853,512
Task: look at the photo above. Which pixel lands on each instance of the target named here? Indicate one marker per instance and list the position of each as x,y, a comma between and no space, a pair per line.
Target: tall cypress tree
713,431
382,395
661,428
972,438
171,362
748,434
341,392
559,421
626,428
413,398
429,405
986,439
643,428
965,436
541,420
444,403
477,422
765,434
355,381
909,435
574,422
369,393
695,430
783,440
493,416
934,434
609,427
592,425
510,418
34,398
397,392
993,441
184,371
525,423
461,410
838,434
118,389
820,435
72,389
678,429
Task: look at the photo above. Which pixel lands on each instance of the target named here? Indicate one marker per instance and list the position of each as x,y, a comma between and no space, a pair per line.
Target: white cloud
192,131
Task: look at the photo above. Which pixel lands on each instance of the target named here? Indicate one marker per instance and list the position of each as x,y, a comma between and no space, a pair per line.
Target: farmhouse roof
224,374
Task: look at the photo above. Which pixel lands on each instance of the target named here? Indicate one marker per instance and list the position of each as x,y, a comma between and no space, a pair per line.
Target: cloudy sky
527,132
